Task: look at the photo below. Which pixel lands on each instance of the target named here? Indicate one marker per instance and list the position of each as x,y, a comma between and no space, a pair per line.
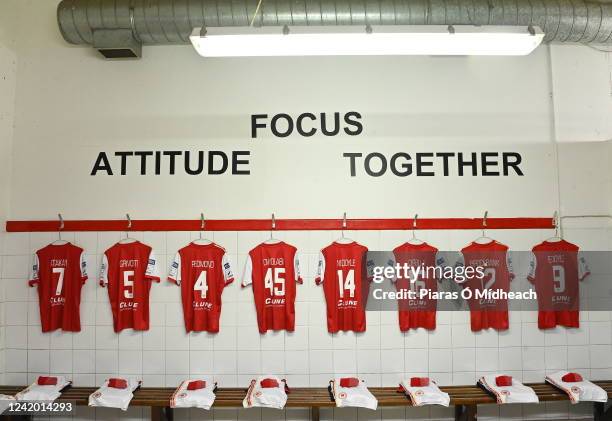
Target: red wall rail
281,224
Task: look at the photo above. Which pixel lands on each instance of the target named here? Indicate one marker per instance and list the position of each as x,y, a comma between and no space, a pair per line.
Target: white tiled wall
165,355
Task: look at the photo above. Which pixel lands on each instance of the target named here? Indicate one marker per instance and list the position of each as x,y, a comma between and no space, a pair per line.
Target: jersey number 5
128,284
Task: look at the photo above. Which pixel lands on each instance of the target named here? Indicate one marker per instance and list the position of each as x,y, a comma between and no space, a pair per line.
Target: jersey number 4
275,281
201,284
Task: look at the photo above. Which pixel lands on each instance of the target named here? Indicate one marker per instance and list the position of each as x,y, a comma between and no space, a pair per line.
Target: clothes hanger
343,239
59,240
414,240
201,241
127,239
483,239
272,240
558,232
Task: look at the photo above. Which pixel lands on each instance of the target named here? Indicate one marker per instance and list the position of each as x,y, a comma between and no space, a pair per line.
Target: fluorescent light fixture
457,40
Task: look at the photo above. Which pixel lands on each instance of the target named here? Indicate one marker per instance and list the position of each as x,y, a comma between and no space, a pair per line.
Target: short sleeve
104,271
174,273
152,272
583,267
34,271
228,274
533,262
509,264
83,265
296,269
247,278
320,269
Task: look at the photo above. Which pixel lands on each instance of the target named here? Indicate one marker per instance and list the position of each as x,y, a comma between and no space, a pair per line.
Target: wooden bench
465,399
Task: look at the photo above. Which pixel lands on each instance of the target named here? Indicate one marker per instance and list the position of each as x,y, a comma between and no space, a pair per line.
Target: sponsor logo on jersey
275,301
202,305
175,265
347,303
57,301
128,305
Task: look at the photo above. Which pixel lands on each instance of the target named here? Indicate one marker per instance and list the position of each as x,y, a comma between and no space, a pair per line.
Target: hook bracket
61,221
414,221
129,226
202,222
273,221
344,221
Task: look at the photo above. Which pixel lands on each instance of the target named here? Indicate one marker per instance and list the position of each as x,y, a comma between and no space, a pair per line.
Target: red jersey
419,312
60,272
202,271
274,270
494,259
343,272
127,270
556,268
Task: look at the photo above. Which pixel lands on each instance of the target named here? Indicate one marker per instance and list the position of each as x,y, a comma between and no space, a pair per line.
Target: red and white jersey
127,270
419,312
346,282
494,259
60,272
556,269
273,269
202,272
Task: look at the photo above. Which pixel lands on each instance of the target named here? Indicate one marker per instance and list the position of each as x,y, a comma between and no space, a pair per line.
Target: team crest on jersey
419,393
97,395
182,395
258,394
342,395
575,389
505,392
175,265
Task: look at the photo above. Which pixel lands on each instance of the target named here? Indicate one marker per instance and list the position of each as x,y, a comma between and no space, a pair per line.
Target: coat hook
414,221
129,220
202,222
61,220
273,222
344,221
484,219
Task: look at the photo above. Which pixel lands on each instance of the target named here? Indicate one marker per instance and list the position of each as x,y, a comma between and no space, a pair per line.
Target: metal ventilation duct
118,28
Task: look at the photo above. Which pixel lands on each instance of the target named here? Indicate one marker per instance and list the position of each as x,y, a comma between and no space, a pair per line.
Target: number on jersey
347,283
60,280
558,278
275,281
128,284
201,284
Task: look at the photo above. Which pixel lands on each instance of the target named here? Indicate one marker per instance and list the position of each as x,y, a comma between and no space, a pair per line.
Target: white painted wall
70,105
8,74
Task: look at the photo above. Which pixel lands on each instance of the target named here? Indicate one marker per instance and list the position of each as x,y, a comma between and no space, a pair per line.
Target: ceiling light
454,40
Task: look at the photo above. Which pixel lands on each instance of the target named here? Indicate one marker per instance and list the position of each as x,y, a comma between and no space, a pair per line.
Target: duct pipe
154,22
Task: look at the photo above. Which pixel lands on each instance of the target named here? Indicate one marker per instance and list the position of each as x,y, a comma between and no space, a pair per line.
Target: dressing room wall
551,107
